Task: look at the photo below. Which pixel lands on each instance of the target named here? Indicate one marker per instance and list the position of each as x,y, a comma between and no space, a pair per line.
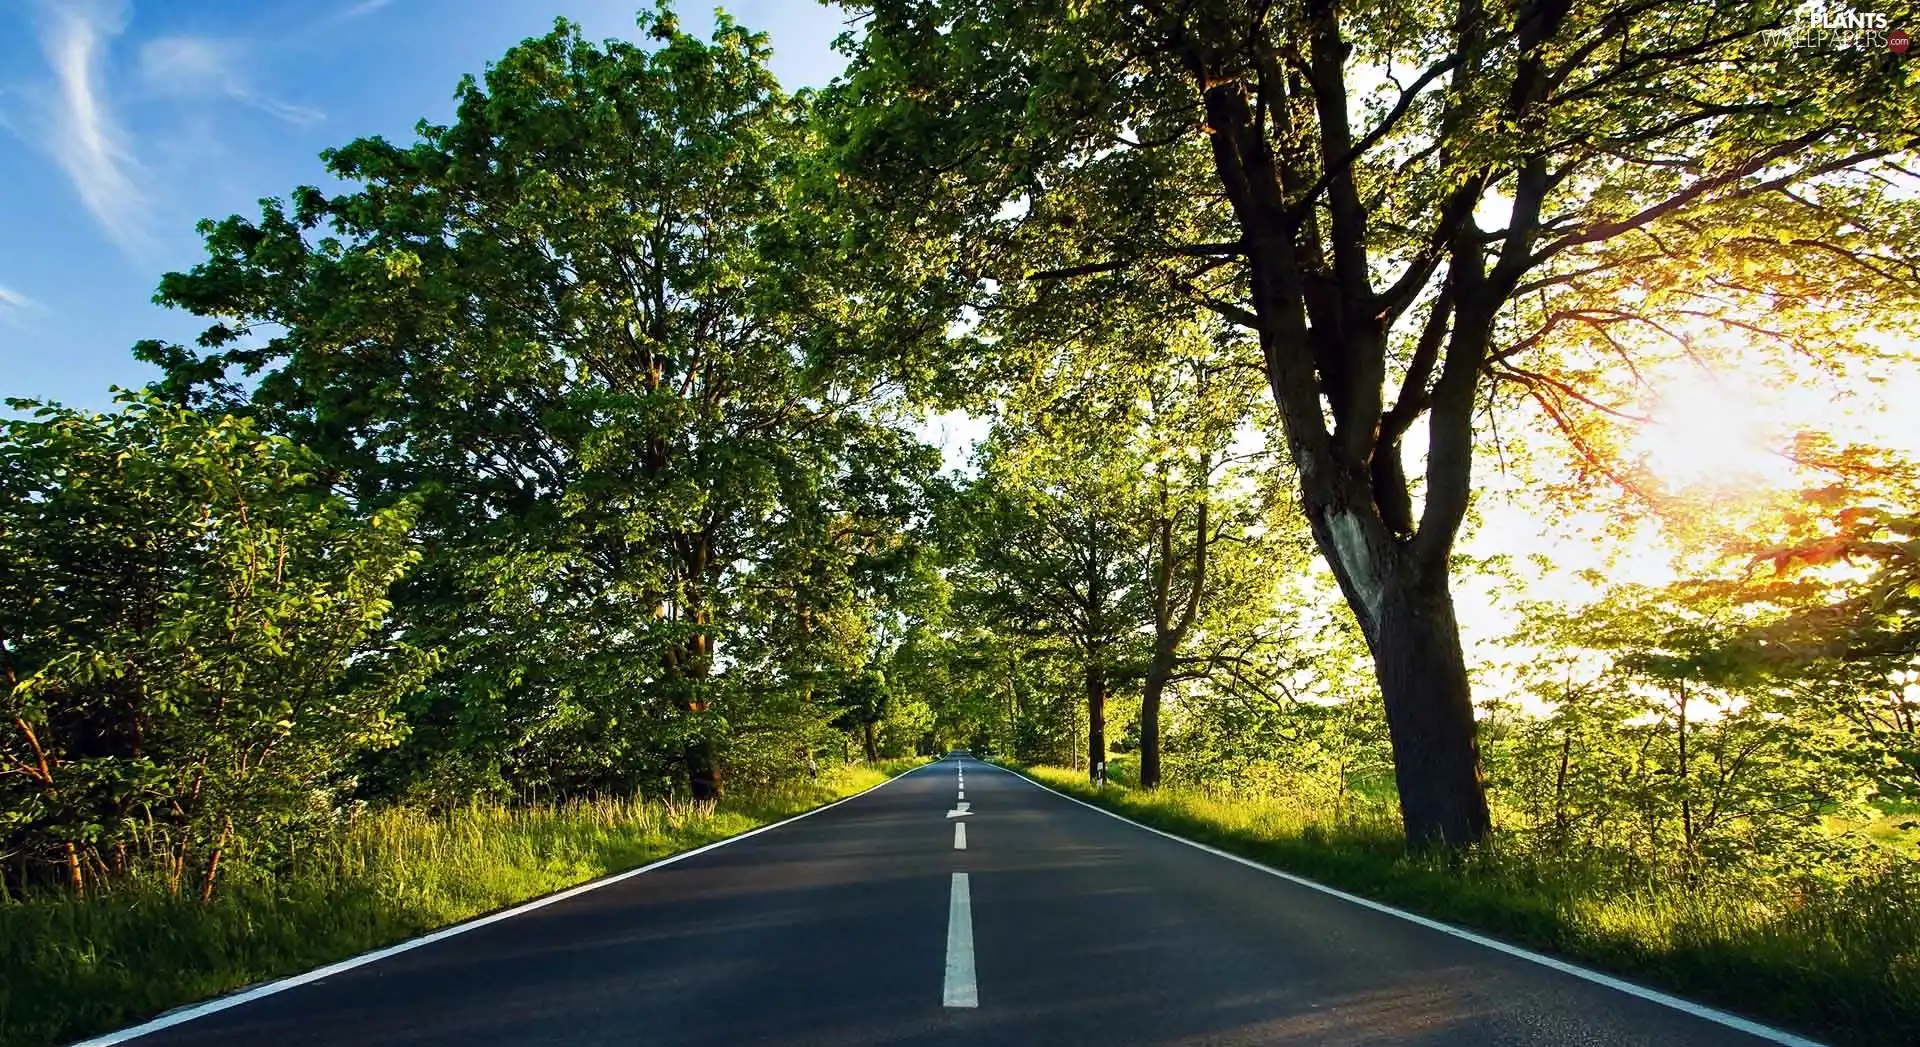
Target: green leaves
578,324
194,633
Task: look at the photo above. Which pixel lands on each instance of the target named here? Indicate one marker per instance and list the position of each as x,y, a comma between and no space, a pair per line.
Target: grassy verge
74,967
1841,963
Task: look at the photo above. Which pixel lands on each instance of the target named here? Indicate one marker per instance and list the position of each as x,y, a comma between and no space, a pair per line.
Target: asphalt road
847,928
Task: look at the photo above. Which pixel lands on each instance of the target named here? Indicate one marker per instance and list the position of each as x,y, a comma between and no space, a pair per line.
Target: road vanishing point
958,904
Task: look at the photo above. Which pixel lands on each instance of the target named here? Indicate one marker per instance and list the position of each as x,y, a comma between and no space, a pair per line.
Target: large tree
1404,202
583,320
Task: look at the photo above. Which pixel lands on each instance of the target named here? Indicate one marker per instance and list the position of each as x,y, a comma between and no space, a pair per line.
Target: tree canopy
1406,206
578,446
576,321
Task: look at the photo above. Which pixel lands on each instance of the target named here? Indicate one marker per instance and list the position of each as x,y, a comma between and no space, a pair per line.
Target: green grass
1896,827
74,967
1841,962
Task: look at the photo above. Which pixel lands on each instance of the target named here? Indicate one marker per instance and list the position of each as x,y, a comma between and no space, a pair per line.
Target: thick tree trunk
873,747
1323,340
1096,719
703,766
703,771
1150,734
1429,704
1169,629
1159,671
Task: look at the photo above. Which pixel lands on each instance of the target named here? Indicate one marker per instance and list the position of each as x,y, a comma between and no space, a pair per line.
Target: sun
1713,432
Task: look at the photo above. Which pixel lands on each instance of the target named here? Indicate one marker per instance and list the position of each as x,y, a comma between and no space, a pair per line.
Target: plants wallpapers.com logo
1839,26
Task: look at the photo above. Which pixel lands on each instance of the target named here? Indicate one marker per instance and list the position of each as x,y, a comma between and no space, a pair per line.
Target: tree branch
1114,265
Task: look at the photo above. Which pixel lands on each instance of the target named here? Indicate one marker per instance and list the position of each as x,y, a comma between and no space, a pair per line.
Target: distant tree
1290,710
1217,524
865,702
1052,559
1663,737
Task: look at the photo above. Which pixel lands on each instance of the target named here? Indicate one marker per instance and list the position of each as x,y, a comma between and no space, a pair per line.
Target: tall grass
70,967
1836,957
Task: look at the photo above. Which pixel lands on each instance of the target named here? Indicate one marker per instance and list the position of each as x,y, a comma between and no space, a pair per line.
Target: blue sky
123,123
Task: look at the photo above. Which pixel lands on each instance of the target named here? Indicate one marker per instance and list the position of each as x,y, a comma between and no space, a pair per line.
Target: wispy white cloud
186,64
74,117
203,67
13,306
364,7
12,300
82,133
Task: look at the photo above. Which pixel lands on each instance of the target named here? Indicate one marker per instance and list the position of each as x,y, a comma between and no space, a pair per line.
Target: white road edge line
1711,1014
959,836
961,988
181,1017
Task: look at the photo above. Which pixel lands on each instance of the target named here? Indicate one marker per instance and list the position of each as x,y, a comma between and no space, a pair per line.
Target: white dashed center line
961,988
